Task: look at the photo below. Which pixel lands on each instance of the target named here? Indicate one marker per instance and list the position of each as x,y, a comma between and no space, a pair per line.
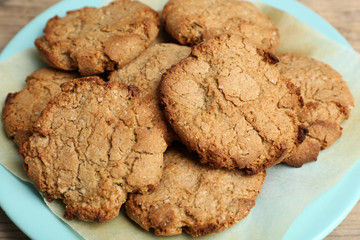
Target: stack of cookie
228,105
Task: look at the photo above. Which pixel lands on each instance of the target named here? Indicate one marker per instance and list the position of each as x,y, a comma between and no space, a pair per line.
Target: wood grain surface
343,15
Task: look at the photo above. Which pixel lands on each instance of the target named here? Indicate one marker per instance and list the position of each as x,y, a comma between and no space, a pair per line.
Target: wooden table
343,15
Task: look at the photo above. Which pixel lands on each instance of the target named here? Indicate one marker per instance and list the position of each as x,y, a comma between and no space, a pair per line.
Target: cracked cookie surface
145,72
194,198
192,21
228,102
328,101
22,109
94,143
93,40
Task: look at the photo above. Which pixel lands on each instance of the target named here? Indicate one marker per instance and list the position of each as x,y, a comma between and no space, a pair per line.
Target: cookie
163,36
22,109
145,72
93,144
328,101
93,40
195,198
192,21
228,102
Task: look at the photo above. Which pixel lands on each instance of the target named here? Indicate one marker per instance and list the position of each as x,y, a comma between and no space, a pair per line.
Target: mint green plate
24,205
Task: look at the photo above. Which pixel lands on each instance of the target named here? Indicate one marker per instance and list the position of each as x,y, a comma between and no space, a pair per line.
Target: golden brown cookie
22,109
328,101
94,143
145,72
93,40
192,21
195,198
228,102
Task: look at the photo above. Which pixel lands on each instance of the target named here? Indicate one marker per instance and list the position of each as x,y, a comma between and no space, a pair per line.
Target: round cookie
93,144
228,102
93,40
192,21
145,72
22,109
328,101
195,198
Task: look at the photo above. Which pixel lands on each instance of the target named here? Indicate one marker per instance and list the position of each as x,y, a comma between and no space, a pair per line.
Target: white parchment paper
286,192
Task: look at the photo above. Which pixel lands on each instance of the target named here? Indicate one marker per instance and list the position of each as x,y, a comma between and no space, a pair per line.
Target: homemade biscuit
22,109
192,21
93,40
228,102
194,198
145,72
328,101
94,143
